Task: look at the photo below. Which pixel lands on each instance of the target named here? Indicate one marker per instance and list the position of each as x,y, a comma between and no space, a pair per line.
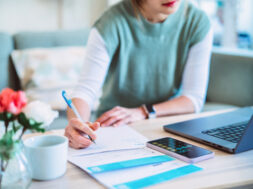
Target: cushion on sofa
45,72
231,77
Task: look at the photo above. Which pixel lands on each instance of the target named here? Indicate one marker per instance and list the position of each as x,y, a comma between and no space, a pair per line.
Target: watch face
152,115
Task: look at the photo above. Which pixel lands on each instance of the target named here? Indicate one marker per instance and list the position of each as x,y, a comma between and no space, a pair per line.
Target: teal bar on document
159,178
129,163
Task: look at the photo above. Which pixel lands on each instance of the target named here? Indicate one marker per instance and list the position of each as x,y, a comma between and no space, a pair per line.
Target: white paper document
88,160
112,139
120,160
135,176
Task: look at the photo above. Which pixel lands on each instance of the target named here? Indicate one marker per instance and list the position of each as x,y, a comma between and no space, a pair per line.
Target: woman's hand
75,132
120,116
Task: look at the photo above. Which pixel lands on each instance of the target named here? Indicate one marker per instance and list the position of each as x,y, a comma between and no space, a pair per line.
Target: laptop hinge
246,142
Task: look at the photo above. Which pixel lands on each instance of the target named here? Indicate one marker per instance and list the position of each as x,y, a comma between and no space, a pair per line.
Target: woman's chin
170,10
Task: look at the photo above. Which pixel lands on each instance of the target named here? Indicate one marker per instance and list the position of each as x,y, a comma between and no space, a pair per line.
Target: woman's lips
169,4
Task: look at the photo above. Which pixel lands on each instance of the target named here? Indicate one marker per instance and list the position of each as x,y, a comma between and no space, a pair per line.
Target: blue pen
72,106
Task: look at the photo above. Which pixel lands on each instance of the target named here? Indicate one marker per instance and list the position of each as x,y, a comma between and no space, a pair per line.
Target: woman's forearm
179,105
82,107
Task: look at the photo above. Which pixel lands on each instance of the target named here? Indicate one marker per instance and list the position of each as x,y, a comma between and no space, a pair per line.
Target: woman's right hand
76,130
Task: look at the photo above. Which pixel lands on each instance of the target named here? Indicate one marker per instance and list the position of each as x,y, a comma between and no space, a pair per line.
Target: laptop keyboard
230,133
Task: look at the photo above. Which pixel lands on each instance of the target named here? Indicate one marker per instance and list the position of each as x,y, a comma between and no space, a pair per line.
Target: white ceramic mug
47,156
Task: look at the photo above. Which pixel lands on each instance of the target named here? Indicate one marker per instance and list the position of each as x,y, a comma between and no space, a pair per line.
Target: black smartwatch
150,111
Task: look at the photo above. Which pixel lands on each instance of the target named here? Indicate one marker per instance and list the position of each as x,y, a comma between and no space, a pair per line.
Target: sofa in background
231,72
231,79
26,40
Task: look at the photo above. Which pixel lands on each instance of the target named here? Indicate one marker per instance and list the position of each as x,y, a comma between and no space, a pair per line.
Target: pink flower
11,101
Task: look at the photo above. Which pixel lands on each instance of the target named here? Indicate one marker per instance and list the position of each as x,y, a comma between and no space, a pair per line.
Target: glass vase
15,173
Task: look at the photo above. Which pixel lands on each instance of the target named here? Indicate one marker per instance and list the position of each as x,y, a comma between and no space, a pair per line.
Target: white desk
223,171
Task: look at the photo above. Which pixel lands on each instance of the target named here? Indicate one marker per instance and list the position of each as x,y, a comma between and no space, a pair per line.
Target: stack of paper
119,159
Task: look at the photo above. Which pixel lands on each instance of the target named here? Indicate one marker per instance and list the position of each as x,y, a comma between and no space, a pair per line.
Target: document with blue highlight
129,168
129,164
158,178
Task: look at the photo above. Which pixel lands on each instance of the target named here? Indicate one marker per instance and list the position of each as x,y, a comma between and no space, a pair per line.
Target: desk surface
223,171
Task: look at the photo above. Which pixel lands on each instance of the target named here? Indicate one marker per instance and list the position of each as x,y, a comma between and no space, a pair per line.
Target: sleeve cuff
198,103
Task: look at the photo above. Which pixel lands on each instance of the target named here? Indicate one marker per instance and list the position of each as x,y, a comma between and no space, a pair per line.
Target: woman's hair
136,5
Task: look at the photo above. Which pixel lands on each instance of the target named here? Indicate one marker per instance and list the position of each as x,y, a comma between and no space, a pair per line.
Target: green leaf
9,115
30,124
2,116
37,124
23,120
15,128
8,146
36,127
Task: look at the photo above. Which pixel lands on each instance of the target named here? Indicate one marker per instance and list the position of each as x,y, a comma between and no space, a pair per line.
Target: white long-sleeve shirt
97,61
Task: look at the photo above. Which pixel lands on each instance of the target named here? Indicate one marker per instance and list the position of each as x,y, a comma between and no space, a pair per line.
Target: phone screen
180,147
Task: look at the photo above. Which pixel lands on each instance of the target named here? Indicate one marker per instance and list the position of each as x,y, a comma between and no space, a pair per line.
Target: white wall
16,15
112,2
41,15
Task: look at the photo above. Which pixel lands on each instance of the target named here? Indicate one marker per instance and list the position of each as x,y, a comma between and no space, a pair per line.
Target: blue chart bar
162,177
130,163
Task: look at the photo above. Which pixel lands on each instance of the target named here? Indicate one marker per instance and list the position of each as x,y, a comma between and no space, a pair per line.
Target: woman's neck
151,15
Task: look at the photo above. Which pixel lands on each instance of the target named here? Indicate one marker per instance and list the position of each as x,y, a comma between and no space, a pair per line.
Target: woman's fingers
84,128
114,119
124,121
73,145
113,112
94,126
112,116
75,132
76,140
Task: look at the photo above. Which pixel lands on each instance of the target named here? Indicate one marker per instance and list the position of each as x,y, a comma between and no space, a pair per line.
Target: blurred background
231,19
43,45
232,22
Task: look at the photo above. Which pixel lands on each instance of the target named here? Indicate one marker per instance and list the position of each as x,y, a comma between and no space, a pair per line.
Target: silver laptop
231,132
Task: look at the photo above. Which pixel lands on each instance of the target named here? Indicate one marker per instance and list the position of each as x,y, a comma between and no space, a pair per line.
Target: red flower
11,101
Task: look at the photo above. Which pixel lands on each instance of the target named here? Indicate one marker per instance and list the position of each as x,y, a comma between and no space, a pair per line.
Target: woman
152,58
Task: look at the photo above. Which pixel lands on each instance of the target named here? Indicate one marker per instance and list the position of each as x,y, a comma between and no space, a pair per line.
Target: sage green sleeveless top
146,59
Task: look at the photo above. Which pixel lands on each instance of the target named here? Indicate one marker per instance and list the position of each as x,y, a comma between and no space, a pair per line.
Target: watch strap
150,111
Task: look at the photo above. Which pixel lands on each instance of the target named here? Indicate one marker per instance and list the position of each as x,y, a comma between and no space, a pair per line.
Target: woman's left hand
120,116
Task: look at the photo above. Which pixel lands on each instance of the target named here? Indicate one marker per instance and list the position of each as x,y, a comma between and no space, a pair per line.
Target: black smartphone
180,150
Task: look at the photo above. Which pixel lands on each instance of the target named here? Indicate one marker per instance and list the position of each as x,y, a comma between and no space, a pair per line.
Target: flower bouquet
16,117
